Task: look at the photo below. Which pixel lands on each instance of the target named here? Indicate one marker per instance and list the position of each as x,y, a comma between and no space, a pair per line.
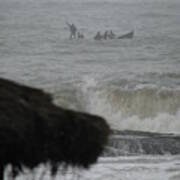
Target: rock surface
33,130
139,143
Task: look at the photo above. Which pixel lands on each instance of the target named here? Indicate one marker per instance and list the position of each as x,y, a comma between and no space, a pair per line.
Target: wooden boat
127,36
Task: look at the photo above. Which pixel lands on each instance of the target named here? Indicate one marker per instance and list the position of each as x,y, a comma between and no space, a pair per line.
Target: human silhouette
73,30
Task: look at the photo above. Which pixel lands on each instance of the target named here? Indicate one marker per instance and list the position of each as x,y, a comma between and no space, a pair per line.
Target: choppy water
134,84
121,168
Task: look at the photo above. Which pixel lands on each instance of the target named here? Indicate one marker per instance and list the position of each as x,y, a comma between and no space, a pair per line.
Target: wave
143,102
162,75
140,108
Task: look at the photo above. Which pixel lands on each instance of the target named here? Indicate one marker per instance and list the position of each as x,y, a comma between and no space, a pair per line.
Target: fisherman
105,36
98,36
80,35
111,35
73,30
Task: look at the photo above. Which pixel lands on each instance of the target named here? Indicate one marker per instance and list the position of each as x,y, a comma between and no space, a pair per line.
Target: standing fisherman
73,30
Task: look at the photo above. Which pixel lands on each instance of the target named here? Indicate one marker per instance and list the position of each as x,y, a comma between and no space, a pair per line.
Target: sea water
133,83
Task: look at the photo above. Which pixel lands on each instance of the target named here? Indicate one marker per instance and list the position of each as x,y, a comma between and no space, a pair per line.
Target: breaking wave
144,108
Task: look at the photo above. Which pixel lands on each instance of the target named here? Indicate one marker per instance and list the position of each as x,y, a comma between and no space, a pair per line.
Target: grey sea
133,83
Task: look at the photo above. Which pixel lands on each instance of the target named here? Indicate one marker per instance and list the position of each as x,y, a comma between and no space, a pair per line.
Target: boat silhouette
129,35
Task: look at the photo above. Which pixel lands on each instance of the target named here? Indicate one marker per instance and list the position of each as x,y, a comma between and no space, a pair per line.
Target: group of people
75,34
106,35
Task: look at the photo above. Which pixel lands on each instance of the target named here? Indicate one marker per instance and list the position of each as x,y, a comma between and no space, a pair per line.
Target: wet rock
33,130
139,143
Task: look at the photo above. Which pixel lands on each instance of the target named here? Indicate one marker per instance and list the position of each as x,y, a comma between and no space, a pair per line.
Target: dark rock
33,130
138,143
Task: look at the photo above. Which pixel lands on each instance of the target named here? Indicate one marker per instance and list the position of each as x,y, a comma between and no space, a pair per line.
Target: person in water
105,36
98,36
73,30
80,35
111,35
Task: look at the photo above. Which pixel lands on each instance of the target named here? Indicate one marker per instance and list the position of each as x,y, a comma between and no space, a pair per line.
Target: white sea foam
119,168
140,109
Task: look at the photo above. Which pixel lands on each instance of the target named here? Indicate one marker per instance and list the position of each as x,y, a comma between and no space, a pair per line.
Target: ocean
133,83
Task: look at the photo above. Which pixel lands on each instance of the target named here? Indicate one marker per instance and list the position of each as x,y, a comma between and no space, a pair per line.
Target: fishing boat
129,35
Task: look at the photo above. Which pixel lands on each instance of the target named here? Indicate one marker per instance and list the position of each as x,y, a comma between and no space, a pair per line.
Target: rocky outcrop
138,143
33,130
